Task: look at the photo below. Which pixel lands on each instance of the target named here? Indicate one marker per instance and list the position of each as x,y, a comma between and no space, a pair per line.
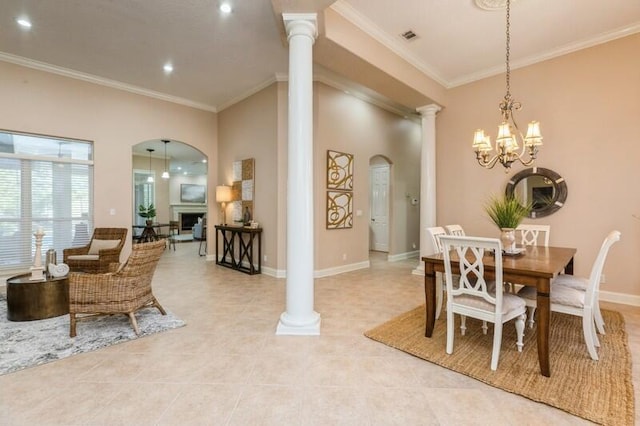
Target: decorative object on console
339,190
223,196
508,132
507,213
243,192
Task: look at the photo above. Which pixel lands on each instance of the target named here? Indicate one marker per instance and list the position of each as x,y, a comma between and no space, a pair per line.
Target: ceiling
220,58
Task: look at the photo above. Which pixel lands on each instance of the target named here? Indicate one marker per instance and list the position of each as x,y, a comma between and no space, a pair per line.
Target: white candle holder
37,270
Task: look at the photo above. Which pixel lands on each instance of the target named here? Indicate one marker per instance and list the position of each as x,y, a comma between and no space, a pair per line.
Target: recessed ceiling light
204,160
24,22
225,7
168,68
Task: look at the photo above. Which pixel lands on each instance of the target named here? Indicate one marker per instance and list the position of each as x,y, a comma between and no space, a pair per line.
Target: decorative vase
508,239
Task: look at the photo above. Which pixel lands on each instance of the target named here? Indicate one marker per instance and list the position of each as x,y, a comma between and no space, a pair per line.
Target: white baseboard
341,269
621,298
403,256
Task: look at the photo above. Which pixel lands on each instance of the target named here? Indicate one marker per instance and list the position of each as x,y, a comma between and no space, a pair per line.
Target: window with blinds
46,183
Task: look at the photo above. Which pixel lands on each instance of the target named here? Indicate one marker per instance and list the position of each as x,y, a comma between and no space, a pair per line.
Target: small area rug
29,343
599,391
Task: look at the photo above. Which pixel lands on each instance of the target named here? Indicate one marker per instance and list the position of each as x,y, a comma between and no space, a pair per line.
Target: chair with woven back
97,256
122,291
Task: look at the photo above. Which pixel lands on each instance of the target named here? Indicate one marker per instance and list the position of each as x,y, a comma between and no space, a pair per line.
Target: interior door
379,224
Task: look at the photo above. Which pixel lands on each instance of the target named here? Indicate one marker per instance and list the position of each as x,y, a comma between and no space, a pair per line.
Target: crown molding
560,51
252,91
395,45
89,78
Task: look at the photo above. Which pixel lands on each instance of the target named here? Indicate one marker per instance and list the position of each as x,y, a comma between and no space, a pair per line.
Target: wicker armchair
103,249
121,292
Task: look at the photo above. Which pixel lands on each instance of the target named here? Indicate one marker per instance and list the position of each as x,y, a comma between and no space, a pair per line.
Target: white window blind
45,183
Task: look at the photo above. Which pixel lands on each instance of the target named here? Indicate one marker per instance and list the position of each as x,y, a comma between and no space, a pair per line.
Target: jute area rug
599,391
29,343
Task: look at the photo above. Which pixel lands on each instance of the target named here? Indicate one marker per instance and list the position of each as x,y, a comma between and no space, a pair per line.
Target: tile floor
226,367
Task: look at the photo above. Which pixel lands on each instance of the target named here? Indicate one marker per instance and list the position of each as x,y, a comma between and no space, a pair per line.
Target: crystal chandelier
508,133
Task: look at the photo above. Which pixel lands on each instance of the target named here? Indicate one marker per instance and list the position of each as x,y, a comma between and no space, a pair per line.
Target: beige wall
248,129
115,120
347,124
588,104
256,127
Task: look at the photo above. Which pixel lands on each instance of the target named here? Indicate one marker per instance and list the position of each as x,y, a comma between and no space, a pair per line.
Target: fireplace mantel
176,209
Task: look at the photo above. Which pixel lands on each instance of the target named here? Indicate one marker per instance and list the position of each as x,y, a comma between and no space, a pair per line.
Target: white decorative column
300,317
427,179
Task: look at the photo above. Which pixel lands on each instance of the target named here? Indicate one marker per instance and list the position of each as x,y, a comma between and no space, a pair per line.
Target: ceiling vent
409,35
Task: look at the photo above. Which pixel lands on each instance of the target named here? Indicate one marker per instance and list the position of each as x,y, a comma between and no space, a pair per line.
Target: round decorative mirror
543,188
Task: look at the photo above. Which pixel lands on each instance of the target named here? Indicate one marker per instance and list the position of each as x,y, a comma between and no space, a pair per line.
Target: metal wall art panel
339,209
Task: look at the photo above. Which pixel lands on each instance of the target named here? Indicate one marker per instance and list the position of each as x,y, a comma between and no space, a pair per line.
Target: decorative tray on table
515,252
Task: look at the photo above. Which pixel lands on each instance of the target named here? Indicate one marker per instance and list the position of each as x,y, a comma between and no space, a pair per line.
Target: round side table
33,300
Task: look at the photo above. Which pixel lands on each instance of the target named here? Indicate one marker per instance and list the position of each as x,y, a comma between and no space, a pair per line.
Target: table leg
430,297
544,319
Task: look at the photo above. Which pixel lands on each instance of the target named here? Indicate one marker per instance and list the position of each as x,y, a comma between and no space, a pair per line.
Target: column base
297,327
419,269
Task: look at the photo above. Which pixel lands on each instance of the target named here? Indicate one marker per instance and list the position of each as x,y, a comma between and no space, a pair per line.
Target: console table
238,248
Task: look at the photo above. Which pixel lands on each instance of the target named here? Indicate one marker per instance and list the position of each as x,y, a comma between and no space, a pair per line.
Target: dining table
535,266
149,231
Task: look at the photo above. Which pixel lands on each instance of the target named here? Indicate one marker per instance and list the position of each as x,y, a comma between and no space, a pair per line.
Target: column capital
301,24
430,109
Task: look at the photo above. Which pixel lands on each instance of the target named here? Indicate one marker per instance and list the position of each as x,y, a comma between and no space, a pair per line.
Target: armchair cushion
97,245
83,257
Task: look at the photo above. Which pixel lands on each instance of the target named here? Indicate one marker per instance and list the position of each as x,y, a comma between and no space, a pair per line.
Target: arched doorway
379,203
175,182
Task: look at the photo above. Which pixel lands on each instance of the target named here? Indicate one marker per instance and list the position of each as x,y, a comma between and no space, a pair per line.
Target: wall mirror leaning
545,189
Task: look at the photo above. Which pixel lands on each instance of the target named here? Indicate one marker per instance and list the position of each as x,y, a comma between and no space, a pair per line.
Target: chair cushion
97,245
510,302
83,257
579,283
560,295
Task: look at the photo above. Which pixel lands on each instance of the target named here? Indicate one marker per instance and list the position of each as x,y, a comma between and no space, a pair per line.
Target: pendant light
165,174
150,178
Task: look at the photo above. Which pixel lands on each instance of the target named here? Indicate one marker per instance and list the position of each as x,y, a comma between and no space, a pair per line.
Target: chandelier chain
508,95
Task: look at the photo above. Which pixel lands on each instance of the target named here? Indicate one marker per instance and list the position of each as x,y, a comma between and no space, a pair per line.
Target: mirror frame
559,185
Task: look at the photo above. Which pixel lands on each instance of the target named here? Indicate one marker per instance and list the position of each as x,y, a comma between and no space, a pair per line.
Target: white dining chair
435,232
455,230
573,296
474,296
530,234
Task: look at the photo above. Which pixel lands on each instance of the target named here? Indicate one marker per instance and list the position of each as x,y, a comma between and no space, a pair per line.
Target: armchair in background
103,249
197,229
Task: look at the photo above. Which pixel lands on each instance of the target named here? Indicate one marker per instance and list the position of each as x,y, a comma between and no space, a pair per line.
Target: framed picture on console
191,193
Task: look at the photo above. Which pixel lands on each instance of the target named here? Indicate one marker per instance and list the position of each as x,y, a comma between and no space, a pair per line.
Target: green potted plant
507,212
148,212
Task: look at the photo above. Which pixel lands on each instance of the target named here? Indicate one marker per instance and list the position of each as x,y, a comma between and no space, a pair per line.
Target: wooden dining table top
535,261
